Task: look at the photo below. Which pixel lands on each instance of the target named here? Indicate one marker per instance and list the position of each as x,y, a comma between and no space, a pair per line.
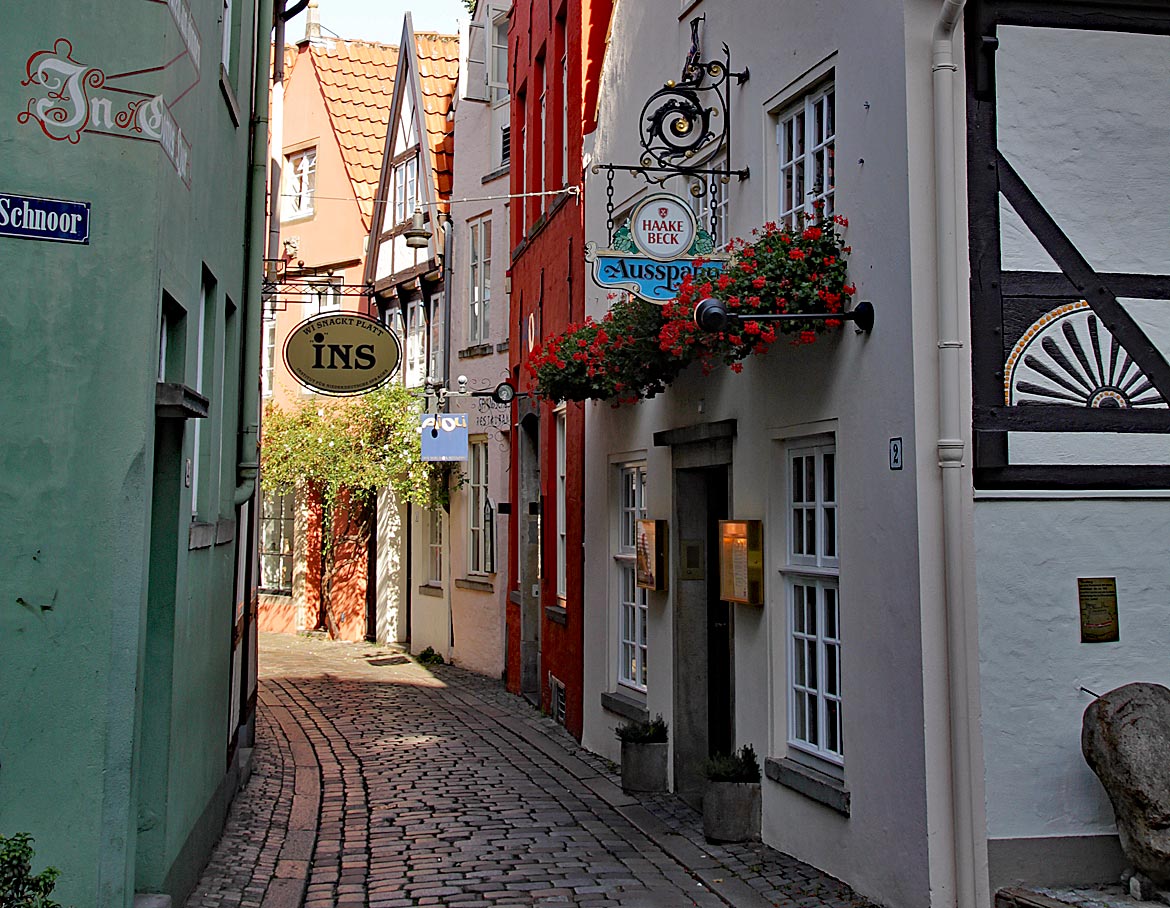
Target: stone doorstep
1113,897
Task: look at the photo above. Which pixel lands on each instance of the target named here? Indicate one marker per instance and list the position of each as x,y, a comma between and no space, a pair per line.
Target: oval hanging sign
663,226
338,353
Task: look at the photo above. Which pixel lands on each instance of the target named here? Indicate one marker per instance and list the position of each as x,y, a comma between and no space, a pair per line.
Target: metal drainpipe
447,274
249,463
951,450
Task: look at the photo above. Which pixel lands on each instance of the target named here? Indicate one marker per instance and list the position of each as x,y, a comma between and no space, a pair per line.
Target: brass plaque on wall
1098,606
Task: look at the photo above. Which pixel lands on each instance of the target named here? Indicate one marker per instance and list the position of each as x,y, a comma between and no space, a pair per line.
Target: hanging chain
713,202
609,203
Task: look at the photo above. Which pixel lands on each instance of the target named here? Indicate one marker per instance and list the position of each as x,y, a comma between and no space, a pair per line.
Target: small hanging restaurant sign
655,250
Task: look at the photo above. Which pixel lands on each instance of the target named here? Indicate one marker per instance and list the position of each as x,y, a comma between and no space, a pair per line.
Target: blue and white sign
655,250
444,436
54,220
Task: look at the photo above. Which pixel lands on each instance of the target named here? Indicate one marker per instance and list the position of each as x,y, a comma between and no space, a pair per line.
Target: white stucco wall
861,387
478,613
1033,663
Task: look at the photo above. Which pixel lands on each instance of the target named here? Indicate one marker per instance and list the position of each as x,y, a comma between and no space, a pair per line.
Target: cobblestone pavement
380,783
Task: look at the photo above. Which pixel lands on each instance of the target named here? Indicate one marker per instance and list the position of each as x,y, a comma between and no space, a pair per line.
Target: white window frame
324,294
480,557
405,188
300,179
701,204
497,68
561,420
435,547
415,342
276,539
479,280
806,137
632,602
812,592
564,112
268,370
543,132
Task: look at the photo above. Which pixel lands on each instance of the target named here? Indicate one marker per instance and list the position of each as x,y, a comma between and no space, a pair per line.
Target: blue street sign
54,220
444,436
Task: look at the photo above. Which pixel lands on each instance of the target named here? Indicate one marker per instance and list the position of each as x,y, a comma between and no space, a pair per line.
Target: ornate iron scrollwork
685,126
677,121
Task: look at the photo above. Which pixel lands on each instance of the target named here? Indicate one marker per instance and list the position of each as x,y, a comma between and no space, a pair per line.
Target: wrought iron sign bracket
280,288
685,126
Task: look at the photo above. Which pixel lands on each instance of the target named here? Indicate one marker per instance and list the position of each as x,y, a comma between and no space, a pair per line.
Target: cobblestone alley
379,782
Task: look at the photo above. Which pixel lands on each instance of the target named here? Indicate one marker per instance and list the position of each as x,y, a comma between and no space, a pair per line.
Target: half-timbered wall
1069,185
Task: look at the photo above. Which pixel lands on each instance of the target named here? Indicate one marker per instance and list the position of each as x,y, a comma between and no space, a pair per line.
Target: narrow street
380,782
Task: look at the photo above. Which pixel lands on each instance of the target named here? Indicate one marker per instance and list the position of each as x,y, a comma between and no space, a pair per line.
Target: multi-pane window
268,370
806,136
498,91
435,547
481,541
480,290
711,206
416,335
405,188
276,541
814,627
631,598
300,183
562,489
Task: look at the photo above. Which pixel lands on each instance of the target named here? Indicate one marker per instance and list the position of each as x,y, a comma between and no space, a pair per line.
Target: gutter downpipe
951,450
249,463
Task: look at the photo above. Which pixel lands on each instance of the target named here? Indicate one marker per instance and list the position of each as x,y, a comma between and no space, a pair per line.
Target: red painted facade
555,53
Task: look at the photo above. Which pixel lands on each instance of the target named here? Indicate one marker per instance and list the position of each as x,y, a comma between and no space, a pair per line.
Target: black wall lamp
712,315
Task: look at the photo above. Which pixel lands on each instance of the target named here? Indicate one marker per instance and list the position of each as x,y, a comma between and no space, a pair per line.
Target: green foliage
19,886
470,4
740,766
429,657
350,447
652,732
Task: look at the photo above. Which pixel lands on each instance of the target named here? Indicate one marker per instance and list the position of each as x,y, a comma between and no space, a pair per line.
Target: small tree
342,452
19,886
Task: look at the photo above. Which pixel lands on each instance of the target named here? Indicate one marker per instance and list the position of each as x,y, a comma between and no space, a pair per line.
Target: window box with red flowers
638,348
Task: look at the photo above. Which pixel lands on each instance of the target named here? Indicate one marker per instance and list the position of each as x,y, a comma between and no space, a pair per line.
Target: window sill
475,350
275,594
429,589
201,535
501,171
557,614
229,95
805,780
625,705
469,583
298,217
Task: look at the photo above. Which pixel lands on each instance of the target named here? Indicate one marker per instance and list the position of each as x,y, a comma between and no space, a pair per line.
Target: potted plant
644,750
731,800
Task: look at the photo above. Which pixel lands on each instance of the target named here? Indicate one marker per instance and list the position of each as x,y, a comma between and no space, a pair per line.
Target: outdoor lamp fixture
417,235
711,315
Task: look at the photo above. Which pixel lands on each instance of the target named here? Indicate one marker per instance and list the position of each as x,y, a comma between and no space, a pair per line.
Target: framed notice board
741,561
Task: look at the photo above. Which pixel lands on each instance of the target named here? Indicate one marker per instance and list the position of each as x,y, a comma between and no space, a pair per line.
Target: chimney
312,22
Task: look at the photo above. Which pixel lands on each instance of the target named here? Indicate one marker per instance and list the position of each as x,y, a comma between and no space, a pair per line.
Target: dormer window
405,187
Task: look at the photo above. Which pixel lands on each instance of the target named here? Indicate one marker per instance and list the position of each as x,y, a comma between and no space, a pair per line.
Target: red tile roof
438,70
357,83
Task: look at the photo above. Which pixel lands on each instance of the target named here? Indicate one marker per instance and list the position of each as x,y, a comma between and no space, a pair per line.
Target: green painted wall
115,636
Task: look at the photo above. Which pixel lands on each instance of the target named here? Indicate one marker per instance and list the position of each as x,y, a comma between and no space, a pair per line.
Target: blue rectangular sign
444,436
54,220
